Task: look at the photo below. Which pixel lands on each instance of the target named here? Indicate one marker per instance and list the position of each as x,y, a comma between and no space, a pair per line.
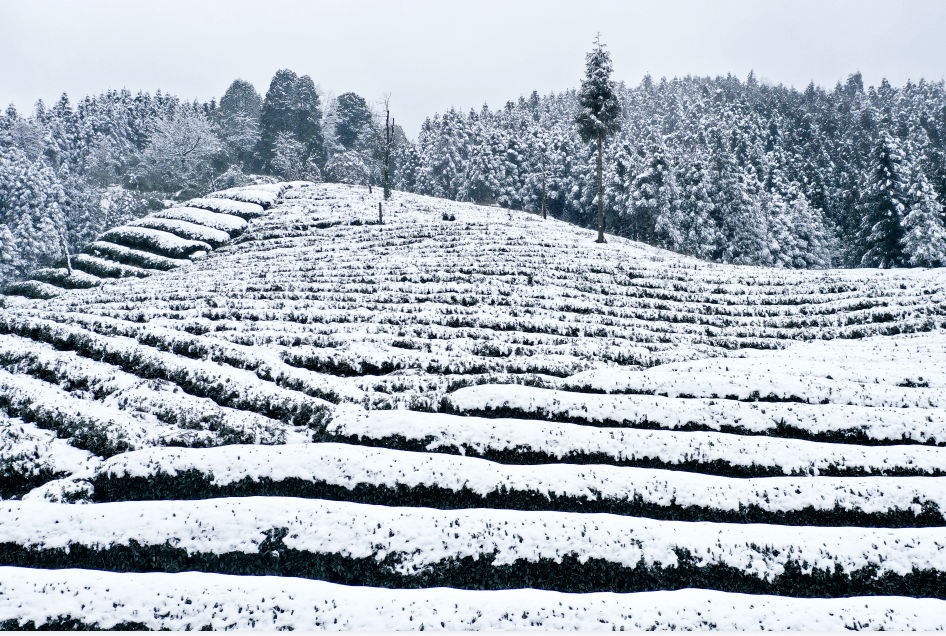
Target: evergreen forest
726,170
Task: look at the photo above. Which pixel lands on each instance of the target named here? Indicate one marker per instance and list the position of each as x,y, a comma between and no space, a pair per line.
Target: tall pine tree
883,204
599,114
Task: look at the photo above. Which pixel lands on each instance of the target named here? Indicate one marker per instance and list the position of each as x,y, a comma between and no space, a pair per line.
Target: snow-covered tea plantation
463,418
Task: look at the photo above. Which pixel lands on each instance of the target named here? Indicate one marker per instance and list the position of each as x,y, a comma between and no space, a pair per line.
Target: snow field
559,285
191,600
406,542
352,466
859,424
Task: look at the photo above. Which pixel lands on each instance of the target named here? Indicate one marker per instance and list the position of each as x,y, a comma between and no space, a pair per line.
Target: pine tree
291,106
599,116
882,206
238,118
353,120
655,200
924,238
700,232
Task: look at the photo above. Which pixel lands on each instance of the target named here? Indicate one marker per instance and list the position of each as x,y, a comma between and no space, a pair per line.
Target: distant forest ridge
722,169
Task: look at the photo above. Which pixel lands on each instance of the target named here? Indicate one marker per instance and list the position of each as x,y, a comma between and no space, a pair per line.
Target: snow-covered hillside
468,397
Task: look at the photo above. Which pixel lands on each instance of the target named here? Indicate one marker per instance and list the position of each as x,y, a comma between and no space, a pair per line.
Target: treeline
70,172
722,169
732,171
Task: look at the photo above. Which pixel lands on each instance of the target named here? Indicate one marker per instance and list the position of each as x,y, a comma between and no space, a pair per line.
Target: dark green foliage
291,106
354,118
69,624
570,573
14,485
600,111
193,484
238,118
60,277
883,205
782,430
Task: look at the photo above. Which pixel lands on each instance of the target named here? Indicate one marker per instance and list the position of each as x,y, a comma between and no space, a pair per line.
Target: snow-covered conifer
599,114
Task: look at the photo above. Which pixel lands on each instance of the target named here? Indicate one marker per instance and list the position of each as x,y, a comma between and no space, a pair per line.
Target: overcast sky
431,55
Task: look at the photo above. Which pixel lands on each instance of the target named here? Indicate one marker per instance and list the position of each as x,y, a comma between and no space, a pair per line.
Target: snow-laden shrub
347,167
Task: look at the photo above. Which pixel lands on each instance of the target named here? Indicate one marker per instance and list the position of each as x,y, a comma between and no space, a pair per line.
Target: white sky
431,55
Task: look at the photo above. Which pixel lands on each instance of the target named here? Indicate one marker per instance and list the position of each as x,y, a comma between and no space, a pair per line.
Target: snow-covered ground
497,364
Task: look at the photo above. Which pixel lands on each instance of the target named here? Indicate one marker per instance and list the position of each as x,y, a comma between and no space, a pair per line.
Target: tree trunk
388,137
380,218
600,193
543,187
65,249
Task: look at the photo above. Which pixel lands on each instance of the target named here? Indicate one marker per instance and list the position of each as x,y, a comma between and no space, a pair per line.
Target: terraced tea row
159,242
193,600
491,402
343,472
357,544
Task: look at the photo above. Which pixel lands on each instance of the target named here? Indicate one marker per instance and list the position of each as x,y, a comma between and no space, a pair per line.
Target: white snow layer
879,423
223,222
799,457
241,209
349,466
259,195
189,230
191,600
671,381
420,539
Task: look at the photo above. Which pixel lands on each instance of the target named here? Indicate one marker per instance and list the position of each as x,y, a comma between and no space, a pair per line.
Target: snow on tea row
827,423
380,229
398,478
195,600
753,386
526,346
530,441
144,414
198,376
834,422
180,358
226,386
744,381
30,456
411,546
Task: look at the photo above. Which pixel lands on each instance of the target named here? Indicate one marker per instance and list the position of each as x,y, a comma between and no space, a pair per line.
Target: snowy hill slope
563,413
